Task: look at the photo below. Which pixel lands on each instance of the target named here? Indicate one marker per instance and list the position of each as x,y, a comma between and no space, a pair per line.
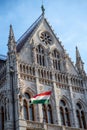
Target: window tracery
40,55
28,108
80,116
64,113
47,113
56,60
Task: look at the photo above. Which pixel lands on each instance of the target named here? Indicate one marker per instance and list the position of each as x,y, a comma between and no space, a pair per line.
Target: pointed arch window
56,60
28,108
47,113
64,113
40,55
80,116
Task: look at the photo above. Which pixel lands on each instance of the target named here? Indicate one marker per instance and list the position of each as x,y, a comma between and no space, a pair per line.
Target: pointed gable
41,32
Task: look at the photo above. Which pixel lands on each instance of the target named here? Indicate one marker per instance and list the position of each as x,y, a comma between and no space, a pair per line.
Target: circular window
46,38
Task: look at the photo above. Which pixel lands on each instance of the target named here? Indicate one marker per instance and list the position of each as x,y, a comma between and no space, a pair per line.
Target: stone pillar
34,55
39,106
50,63
73,119
57,121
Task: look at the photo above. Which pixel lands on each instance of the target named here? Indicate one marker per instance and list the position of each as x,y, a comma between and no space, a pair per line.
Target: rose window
45,37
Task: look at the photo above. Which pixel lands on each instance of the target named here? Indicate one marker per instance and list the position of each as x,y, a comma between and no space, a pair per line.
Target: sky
68,19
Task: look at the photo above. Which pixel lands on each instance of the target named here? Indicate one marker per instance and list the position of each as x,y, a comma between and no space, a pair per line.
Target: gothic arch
53,48
37,44
66,100
82,103
41,46
28,90
81,114
28,109
64,107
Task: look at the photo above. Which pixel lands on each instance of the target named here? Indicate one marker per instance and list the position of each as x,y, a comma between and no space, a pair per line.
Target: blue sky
68,19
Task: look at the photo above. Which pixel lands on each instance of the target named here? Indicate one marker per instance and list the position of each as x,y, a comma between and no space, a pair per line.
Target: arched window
64,113
40,55
28,108
56,60
47,113
80,116
2,118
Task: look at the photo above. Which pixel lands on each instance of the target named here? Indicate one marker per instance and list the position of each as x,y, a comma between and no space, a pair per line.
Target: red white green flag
42,98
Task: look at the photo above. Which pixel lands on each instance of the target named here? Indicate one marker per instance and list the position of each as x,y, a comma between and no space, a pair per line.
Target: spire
79,62
43,9
78,57
77,53
11,40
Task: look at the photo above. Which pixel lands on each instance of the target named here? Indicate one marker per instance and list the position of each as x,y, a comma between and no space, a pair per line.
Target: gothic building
36,63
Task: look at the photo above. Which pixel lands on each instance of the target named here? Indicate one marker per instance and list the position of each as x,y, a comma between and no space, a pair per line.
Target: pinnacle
11,33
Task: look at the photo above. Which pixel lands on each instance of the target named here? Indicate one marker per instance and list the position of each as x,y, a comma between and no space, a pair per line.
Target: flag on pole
42,98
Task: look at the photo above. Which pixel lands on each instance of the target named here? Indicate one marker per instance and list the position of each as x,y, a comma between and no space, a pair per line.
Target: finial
42,8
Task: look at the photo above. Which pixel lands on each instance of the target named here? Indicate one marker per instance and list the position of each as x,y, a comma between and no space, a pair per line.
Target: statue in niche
20,105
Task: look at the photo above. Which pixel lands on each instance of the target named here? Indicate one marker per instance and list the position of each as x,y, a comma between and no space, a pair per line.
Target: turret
12,76
79,62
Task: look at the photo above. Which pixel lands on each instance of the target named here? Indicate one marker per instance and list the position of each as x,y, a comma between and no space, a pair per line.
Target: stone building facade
36,63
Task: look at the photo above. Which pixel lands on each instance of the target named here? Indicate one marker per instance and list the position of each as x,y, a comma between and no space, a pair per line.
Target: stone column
57,121
39,106
74,120
50,63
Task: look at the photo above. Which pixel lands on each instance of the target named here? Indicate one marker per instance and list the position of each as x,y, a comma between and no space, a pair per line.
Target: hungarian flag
42,98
